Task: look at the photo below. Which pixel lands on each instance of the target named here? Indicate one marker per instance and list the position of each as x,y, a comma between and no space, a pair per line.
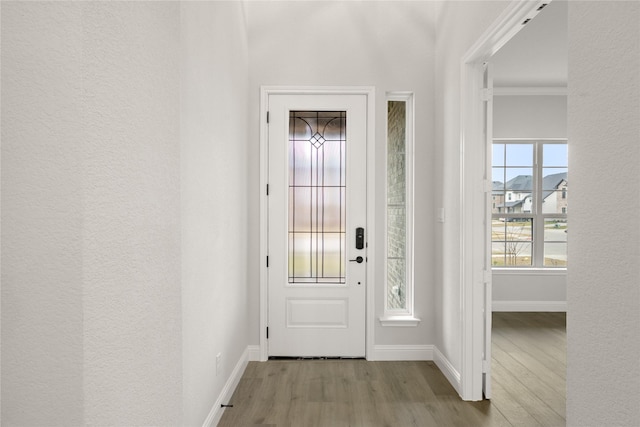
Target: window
399,212
529,221
317,196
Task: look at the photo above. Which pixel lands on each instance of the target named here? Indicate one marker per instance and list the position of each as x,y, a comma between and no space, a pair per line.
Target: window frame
404,316
537,215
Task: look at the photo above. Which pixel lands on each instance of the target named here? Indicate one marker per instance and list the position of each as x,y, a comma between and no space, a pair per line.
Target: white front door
317,225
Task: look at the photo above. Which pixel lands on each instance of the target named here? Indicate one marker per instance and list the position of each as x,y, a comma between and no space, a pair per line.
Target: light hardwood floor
528,386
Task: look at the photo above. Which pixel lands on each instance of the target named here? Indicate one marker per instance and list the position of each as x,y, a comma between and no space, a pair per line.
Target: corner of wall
448,369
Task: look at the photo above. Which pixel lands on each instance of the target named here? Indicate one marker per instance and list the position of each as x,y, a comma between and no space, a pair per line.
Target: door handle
358,259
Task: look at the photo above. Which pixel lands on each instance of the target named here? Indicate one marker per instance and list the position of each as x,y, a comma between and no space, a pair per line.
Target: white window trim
405,317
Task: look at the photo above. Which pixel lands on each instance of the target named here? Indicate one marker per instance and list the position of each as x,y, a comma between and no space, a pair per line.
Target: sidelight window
399,209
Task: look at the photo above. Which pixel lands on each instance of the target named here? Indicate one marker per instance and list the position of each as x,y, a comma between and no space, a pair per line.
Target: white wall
529,290
90,214
530,116
131,213
603,316
389,45
214,188
460,24
42,287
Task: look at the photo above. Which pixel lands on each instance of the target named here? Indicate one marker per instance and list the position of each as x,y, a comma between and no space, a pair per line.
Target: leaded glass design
317,196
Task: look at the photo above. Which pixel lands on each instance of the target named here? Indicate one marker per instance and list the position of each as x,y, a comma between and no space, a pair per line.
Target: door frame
474,189
369,93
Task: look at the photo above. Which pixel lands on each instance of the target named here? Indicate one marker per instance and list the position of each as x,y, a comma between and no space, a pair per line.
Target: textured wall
90,214
131,213
214,158
42,137
603,323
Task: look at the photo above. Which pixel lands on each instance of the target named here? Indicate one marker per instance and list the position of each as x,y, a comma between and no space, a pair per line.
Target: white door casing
488,137
474,250
312,312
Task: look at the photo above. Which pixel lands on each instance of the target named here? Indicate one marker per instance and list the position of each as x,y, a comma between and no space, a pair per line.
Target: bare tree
514,247
515,239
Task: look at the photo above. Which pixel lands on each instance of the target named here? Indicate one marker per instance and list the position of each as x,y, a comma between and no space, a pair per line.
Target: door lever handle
358,259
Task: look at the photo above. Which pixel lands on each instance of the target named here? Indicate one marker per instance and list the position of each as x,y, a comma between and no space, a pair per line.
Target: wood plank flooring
529,367
528,386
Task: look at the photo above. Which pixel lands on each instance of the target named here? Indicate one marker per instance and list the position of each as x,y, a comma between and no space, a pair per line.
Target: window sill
556,271
400,321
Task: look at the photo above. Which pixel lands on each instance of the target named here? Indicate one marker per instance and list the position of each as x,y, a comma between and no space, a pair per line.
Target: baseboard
447,368
230,386
402,352
529,306
253,353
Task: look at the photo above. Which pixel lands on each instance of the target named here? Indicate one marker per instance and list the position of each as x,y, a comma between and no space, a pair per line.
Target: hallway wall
603,315
90,214
131,213
42,269
214,199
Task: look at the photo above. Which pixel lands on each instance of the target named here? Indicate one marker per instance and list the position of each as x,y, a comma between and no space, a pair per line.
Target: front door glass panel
317,196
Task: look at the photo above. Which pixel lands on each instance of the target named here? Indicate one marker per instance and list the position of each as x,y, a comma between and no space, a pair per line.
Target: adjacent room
530,217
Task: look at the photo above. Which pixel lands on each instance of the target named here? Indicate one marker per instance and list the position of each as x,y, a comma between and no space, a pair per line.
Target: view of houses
515,196
514,234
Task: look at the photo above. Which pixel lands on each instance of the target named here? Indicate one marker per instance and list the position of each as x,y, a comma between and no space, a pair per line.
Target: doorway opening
477,138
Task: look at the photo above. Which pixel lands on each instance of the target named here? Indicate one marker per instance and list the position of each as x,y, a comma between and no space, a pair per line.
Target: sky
519,159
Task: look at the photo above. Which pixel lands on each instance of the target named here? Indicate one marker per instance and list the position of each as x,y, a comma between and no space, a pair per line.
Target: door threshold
314,358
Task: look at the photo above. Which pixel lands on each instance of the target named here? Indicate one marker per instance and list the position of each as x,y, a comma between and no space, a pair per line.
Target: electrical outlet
218,363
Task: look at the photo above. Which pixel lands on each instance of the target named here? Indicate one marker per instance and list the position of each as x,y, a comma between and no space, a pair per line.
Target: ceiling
537,55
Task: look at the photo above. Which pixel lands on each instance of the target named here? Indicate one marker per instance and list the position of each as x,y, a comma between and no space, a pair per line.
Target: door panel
317,199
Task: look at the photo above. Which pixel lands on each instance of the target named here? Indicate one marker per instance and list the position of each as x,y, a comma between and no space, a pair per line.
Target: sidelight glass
396,205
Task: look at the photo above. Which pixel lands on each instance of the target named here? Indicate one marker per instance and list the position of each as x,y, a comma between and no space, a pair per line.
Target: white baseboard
253,353
447,368
402,352
529,306
230,386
